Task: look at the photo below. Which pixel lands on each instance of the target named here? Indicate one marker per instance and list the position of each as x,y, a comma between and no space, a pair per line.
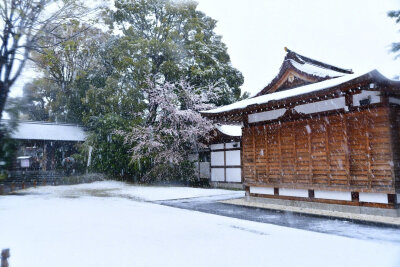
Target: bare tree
24,27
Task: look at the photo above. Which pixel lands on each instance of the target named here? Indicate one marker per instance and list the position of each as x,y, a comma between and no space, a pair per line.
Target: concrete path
362,218
342,227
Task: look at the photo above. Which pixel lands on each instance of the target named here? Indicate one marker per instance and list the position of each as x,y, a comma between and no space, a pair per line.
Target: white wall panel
234,175
394,100
217,146
335,195
217,158
267,115
293,192
373,197
262,190
232,145
233,158
320,106
374,95
217,174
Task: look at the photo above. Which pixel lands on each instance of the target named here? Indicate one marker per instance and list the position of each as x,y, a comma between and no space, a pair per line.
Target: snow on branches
172,125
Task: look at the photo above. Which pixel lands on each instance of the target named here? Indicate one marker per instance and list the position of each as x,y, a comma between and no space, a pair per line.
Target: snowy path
341,227
111,224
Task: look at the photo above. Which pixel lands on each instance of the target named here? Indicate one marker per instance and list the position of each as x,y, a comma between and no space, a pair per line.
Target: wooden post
224,162
5,254
12,186
1,189
253,132
34,183
44,158
23,185
328,152
44,182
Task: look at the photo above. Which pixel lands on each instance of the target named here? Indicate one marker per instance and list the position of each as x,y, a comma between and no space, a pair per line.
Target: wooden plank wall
350,152
395,119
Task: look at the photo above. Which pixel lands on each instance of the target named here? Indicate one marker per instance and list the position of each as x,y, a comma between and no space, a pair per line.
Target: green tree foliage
69,70
8,146
395,14
23,24
99,80
36,100
110,155
174,39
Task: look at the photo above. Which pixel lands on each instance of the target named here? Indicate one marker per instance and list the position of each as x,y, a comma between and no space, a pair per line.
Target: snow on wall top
231,130
31,130
263,99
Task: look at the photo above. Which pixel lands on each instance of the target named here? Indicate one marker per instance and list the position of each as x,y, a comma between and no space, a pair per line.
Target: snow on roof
263,99
33,130
231,130
315,70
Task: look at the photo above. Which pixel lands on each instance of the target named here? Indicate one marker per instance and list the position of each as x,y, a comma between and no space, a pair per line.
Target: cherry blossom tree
171,129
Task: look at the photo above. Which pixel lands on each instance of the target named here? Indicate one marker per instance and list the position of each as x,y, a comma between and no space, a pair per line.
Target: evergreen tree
395,14
175,40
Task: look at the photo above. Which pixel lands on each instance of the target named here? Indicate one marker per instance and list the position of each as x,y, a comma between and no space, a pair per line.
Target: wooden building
43,145
320,133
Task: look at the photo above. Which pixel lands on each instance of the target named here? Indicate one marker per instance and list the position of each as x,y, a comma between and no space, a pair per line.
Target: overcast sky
353,34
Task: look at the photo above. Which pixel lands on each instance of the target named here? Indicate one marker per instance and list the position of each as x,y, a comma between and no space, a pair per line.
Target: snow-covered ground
111,224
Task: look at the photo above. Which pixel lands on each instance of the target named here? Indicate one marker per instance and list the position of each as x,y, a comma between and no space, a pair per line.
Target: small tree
171,129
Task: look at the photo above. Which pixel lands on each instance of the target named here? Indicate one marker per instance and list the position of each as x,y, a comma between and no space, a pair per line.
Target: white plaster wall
293,192
217,158
233,158
217,174
216,146
374,197
232,145
375,98
234,175
262,190
335,195
267,115
394,100
325,105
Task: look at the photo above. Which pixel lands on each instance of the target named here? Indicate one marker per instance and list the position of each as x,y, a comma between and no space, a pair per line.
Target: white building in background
43,145
221,164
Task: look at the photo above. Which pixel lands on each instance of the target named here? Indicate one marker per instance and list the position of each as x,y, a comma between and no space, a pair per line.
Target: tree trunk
3,97
4,89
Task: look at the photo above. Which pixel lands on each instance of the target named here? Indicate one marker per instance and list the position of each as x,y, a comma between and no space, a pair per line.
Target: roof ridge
301,59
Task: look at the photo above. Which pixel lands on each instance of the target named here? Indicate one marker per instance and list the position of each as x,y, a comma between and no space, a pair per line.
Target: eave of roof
34,130
233,111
